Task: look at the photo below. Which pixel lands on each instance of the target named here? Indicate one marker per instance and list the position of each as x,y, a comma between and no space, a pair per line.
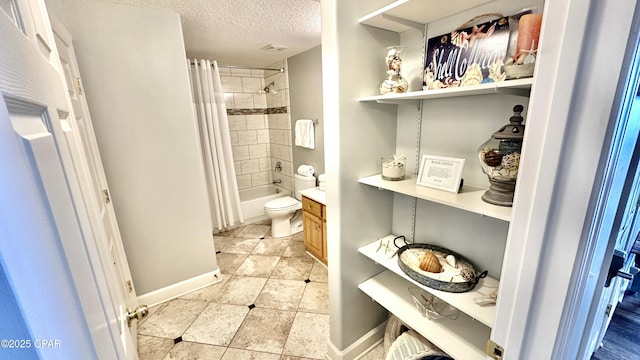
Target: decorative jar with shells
394,83
392,168
500,160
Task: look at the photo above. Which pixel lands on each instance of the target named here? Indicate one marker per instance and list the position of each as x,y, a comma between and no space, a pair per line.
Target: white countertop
315,194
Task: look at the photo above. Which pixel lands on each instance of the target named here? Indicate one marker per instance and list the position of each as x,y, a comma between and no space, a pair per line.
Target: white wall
352,66
135,77
305,78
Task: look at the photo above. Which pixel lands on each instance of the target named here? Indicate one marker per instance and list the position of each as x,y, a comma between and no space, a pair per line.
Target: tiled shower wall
259,124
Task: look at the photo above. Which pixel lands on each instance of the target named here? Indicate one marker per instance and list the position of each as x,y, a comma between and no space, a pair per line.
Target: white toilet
284,212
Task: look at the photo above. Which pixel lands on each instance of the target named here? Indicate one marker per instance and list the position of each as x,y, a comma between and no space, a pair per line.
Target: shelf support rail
419,105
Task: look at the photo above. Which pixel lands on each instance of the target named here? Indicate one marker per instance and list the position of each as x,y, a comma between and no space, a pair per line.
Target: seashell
493,157
430,262
511,161
495,71
468,274
451,260
473,76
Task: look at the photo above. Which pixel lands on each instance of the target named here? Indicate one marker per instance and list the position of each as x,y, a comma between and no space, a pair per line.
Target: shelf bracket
405,22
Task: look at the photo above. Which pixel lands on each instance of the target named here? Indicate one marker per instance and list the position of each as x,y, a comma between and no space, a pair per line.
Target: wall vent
272,47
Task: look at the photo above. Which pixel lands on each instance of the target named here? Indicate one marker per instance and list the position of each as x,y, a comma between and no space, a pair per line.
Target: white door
51,264
80,136
621,199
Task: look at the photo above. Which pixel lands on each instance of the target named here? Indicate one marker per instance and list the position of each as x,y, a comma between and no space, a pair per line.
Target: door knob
139,313
617,262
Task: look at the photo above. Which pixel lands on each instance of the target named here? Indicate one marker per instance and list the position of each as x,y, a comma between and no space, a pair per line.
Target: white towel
306,170
305,134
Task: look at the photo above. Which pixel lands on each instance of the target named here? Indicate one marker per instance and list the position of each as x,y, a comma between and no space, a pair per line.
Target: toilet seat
283,203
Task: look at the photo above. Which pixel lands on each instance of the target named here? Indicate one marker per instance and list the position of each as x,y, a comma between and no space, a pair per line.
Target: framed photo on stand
440,172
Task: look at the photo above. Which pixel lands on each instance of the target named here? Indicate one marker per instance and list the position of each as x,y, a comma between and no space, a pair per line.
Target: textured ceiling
234,31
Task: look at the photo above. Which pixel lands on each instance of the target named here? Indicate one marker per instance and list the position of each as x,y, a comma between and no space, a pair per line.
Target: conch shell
430,263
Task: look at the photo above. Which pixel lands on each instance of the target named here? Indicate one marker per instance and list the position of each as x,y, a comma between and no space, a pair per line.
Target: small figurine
394,82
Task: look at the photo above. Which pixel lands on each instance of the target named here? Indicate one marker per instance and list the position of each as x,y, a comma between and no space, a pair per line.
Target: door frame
616,198
122,290
569,124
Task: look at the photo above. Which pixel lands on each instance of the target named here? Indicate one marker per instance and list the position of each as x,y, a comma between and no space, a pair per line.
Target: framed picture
439,172
469,56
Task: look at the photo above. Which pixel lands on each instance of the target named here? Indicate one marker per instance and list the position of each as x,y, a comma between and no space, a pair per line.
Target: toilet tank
302,183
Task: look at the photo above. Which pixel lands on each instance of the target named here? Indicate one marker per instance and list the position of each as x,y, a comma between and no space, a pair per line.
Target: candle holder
524,49
500,160
392,168
394,83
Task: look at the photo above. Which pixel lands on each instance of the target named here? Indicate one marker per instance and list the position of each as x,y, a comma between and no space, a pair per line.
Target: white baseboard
360,347
180,288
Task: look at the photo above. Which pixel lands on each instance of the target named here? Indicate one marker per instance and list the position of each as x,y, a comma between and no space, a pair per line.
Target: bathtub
253,200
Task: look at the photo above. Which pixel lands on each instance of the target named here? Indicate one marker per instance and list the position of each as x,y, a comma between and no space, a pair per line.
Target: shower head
267,88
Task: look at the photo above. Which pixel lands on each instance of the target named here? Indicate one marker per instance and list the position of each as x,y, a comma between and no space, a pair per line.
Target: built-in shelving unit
462,301
468,199
520,87
463,338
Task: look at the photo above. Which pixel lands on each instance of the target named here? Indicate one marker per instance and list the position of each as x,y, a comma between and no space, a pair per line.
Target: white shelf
468,199
520,87
402,15
463,338
462,301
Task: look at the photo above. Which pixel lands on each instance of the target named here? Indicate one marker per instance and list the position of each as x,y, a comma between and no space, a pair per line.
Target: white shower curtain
213,125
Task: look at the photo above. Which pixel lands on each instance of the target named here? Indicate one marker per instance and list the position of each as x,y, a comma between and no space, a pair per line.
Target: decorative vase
394,83
500,160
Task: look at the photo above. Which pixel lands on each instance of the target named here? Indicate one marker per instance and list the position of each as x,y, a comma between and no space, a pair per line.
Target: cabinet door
313,234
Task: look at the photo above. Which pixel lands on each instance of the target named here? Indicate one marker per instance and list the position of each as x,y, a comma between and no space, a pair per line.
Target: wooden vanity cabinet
315,225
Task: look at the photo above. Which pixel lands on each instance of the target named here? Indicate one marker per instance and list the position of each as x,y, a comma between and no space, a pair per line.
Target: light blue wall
13,324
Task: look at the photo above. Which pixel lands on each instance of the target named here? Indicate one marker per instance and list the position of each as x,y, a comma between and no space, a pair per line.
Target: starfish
476,33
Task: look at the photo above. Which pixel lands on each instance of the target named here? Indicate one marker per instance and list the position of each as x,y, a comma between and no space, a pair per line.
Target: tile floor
272,304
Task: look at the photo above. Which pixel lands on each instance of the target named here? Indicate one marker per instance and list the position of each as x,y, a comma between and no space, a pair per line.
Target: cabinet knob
309,206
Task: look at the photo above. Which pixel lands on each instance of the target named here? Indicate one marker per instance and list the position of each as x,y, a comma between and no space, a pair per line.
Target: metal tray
425,279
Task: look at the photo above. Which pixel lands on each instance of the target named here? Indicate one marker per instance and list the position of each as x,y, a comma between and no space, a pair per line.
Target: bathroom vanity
315,223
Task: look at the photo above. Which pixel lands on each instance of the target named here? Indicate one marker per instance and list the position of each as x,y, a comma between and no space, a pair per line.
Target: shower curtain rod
250,67
246,67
